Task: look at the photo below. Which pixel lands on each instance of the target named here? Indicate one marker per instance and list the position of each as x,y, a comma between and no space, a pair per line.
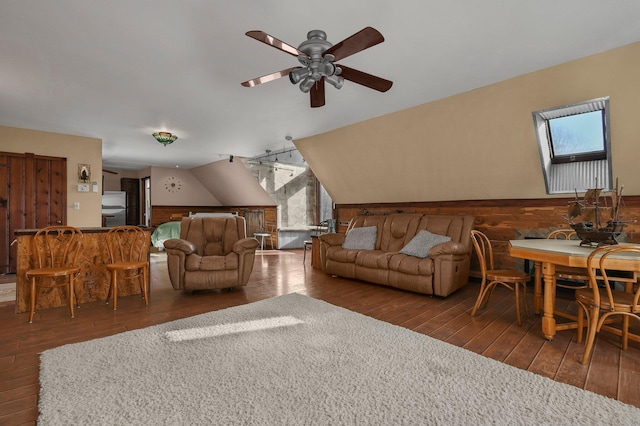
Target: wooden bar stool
56,249
127,255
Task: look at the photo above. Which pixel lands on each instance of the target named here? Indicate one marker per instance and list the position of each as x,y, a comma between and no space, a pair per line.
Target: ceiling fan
318,58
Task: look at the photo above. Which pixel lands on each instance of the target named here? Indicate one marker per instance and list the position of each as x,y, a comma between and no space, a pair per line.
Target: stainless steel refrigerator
114,208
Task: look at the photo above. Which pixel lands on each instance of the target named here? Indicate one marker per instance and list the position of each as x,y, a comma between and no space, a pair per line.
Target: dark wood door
33,194
254,221
132,187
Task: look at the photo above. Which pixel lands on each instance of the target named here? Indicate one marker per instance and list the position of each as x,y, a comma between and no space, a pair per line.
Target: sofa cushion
212,263
373,259
398,230
361,238
411,265
338,254
421,244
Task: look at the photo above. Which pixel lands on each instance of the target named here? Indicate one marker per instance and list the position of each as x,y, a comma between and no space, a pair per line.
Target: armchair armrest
450,247
245,244
184,246
332,239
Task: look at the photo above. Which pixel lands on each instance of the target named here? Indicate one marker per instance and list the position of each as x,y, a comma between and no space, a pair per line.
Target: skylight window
577,137
575,147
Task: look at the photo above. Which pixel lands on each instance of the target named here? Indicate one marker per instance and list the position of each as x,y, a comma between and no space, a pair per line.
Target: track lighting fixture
231,158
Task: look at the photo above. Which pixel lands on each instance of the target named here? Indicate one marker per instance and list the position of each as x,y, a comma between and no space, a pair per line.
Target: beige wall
476,145
479,144
192,192
77,150
220,183
232,184
112,181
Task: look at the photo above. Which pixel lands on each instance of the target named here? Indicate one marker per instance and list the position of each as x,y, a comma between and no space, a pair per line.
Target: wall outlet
76,205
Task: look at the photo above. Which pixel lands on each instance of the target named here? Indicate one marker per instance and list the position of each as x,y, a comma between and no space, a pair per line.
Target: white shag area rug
8,292
294,360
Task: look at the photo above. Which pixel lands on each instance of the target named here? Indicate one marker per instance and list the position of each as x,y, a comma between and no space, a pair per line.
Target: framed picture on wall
84,173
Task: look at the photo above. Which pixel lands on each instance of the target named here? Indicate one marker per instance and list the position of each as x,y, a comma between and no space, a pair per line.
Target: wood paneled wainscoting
500,220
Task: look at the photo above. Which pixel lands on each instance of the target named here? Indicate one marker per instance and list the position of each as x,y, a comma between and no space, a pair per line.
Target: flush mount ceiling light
165,138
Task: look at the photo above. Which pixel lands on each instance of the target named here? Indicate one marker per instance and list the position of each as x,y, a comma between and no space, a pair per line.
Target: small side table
262,236
316,263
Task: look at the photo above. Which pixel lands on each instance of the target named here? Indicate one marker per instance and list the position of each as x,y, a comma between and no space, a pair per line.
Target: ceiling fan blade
274,42
368,80
361,40
317,94
268,78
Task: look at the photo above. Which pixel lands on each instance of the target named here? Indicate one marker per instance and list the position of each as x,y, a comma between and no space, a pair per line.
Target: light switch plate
83,187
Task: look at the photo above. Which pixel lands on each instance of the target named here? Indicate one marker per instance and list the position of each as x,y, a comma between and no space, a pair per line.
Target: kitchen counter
92,282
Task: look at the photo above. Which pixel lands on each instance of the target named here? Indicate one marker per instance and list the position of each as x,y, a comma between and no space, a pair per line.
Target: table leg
548,320
537,288
261,240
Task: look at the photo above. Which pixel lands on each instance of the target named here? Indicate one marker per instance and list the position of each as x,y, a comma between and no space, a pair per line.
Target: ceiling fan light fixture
307,84
165,138
328,69
335,80
317,57
298,75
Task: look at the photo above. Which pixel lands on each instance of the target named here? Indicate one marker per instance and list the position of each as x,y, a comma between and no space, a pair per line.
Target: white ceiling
119,70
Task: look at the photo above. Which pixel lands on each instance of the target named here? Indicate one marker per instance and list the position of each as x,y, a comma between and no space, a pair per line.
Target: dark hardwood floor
492,333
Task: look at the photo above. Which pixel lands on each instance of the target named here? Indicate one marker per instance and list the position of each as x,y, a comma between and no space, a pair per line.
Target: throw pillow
361,238
421,244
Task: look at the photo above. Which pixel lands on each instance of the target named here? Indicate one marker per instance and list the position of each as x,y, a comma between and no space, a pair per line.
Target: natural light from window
575,146
231,328
577,134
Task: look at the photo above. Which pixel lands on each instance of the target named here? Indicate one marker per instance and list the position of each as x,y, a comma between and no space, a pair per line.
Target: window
577,137
574,144
324,204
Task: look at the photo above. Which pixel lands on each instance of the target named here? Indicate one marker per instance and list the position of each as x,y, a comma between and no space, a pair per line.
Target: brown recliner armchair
211,253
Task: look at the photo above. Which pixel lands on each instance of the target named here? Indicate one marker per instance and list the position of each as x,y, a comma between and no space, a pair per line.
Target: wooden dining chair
56,251
601,301
128,260
272,230
514,280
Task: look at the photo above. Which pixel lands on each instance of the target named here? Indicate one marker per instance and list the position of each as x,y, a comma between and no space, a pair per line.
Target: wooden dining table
546,255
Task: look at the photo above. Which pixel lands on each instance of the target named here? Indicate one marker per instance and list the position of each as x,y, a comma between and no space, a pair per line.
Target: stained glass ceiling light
165,138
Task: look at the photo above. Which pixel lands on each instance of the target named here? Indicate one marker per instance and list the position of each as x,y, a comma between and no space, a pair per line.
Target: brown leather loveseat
385,251
211,253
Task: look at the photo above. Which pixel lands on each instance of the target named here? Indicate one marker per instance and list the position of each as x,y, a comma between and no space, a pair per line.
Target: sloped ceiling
119,70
